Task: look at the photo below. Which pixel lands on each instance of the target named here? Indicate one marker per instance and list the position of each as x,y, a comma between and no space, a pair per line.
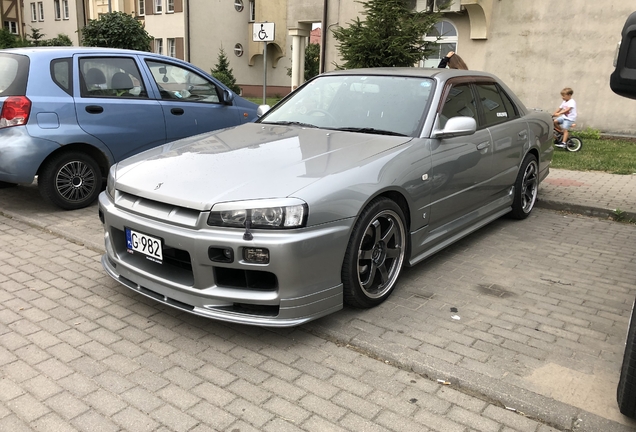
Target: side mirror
456,126
623,79
262,109
228,97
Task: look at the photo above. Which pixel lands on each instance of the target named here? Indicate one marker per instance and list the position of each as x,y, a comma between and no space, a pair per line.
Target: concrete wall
537,53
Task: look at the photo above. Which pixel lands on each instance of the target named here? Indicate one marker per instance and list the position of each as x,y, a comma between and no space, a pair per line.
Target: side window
176,82
111,77
460,102
497,107
61,74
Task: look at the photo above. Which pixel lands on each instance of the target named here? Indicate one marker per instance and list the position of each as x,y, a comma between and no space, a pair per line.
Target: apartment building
165,21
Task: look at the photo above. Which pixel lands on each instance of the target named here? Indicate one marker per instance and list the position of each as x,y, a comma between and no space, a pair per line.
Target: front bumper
301,282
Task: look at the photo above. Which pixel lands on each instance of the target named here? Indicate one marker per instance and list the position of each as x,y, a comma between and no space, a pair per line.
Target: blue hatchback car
68,114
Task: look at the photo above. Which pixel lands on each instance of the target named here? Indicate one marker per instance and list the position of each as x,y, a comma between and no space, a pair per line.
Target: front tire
574,144
626,390
70,180
375,254
526,188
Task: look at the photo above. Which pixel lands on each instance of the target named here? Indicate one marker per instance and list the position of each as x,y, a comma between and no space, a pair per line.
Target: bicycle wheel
574,144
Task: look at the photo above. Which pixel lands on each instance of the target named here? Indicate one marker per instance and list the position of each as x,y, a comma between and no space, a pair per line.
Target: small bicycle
573,144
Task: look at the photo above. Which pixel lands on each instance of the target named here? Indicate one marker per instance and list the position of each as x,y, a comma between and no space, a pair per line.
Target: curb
586,210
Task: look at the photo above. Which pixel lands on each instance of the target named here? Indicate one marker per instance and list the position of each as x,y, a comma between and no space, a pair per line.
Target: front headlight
110,184
272,214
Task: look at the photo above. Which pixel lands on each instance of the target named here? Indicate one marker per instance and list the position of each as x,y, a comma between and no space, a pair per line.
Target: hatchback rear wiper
371,131
291,123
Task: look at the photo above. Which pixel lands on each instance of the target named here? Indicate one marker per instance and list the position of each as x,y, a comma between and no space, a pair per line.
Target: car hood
252,161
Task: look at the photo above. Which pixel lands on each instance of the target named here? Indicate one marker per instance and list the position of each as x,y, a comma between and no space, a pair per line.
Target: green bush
588,133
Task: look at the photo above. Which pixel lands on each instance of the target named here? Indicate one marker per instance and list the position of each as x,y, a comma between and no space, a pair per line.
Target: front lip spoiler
221,315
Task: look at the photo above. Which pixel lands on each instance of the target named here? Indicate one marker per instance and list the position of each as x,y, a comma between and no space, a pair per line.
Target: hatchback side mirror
228,97
623,79
262,109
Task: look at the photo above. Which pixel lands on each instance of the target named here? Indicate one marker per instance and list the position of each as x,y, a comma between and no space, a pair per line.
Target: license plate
143,243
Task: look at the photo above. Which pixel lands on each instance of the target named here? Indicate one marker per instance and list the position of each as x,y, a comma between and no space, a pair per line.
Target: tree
116,30
36,37
224,73
391,35
60,40
7,39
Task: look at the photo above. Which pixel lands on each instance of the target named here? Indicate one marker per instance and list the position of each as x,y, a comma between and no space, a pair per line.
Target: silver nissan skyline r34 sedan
326,197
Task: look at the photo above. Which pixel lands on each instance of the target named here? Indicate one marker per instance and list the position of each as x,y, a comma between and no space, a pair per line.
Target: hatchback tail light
15,111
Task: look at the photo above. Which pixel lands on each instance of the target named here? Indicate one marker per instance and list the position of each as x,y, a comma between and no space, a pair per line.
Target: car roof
70,51
441,74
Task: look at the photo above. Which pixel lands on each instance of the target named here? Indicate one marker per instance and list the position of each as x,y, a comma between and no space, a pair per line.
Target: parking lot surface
522,322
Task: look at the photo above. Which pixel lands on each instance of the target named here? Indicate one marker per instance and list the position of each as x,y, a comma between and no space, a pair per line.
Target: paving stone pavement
543,306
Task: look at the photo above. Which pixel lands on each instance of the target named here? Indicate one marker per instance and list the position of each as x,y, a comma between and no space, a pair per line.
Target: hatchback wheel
375,254
626,390
70,180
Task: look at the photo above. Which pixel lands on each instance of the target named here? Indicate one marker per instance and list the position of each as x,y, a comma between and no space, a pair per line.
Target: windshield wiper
371,131
291,123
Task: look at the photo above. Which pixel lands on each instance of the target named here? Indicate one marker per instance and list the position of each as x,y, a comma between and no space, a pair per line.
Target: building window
170,6
141,7
40,11
444,36
238,5
58,10
65,9
252,10
238,50
11,26
34,12
172,50
159,46
158,6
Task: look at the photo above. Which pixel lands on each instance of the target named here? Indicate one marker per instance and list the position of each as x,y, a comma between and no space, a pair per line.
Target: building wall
537,54
216,23
49,26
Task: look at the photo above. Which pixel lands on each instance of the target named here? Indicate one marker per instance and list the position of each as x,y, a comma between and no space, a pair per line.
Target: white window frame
434,62
171,49
252,11
40,11
34,12
11,26
158,6
57,9
170,6
159,46
65,11
141,7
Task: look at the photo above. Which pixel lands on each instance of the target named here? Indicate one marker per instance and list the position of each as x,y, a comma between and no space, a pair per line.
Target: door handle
94,109
177,111
483,145
523,135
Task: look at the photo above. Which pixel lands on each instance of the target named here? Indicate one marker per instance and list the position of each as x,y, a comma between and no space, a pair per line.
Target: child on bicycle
565,115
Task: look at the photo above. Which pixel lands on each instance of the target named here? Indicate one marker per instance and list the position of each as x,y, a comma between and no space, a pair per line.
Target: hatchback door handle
177,111
94,109
483,145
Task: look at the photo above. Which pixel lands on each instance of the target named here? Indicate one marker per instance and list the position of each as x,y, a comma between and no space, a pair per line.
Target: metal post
265,74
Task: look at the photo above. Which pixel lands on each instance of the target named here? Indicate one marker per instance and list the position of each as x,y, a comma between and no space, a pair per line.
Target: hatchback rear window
14,71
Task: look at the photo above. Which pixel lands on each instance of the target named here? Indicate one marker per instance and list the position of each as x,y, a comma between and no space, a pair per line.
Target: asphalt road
525,321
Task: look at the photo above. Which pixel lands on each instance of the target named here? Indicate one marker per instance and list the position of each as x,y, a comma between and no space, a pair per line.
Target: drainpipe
187,23
323,37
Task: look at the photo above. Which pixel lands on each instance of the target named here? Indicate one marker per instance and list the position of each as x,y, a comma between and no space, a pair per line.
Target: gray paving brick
249,412
91,421
318,424
142,399
105,402
19,371
30,353
78,384
67,405
437,423
180,398
54,368
511,419
322,407
52,423
213,394
473,420
134,420
41,387
14,424
286,410
212,416
27,407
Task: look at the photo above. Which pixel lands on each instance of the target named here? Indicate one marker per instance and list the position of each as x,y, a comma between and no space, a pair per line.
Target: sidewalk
590,193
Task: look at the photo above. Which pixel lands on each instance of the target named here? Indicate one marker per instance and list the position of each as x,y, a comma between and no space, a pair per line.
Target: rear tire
375,254
626,390
526,188
70,180
574,144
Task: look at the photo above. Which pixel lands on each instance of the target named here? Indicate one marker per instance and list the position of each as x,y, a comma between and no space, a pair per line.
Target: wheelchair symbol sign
263,32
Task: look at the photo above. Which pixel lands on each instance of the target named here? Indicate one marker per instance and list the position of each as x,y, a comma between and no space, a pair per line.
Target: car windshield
389,105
